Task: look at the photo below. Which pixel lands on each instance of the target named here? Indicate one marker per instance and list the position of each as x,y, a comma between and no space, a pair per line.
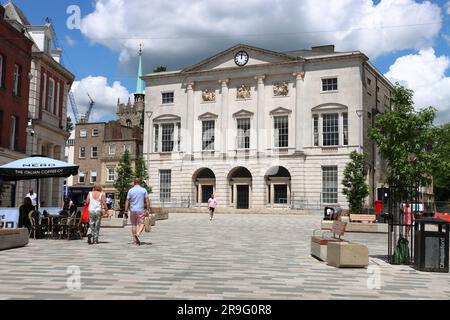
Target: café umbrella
36,167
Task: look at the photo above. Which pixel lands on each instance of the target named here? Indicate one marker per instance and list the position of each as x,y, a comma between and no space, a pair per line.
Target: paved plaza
186,257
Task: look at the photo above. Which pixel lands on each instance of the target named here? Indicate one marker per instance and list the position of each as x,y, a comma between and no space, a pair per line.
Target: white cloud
178,32
104,95
425,73
71,42
447,5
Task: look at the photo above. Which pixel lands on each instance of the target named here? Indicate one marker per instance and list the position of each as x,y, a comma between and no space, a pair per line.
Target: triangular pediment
167,117
225,59
207,116
243,114
280,111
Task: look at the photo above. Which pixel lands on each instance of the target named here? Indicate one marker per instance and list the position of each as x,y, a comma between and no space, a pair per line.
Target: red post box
378,207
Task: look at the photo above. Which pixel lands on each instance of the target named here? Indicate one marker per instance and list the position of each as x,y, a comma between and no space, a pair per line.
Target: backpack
401,252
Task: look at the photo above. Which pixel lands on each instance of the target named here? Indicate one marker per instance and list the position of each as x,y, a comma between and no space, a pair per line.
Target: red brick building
15,64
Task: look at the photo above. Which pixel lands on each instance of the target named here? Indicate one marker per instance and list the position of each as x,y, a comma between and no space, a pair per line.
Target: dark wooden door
243,193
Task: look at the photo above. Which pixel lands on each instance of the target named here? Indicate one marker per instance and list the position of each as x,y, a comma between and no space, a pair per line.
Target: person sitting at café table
24,211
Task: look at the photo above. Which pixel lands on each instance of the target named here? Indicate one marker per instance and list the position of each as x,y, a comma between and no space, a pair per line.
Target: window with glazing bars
243,126
17,79
345,126
165,183
281,131
330,129
329,84
111,174
208,128
156,137
167,97
329,184
316,130
167,137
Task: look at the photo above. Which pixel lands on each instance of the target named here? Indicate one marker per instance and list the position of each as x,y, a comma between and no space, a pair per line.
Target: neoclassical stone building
262,129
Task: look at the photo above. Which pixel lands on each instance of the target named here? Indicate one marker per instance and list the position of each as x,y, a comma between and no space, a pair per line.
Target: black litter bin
431,245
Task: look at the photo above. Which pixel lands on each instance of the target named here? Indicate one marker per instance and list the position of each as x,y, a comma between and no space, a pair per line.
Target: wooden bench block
347,255
363,217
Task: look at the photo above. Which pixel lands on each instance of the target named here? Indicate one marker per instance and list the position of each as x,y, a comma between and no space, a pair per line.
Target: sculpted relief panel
208,96
243,92
280,89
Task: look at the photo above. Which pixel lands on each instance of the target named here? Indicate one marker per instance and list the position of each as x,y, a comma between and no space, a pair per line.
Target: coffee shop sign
39,165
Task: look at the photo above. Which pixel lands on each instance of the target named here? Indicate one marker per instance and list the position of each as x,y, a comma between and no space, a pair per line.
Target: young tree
354,182
140,171
404,136
69,124
124,178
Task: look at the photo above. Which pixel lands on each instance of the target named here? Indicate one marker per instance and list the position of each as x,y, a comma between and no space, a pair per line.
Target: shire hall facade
262,129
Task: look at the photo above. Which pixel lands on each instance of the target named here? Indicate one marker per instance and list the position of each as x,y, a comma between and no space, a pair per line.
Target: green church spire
140,86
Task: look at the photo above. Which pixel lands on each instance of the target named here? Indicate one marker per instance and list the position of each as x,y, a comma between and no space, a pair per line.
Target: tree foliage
140,172
160,69
405,138
124,178
69,124
354,182
442,172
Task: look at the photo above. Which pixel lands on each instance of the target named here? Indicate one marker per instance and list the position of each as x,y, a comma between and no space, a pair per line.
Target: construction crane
73,103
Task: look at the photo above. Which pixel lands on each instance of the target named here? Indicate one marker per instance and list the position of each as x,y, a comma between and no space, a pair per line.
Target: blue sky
177,33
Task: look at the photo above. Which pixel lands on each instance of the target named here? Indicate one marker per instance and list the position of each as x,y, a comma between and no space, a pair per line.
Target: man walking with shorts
137,199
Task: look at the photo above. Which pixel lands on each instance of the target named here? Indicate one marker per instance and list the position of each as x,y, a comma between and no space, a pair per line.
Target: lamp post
149,128
360,114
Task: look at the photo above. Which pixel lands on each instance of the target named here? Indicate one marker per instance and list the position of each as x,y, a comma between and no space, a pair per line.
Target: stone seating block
319,247
347,255
13,238
113,223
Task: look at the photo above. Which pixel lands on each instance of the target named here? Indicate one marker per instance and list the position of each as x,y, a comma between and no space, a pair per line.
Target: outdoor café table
55,220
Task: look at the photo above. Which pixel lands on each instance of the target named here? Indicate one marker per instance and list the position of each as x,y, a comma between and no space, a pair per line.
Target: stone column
189,124
272,194
260,128
299,116
224,116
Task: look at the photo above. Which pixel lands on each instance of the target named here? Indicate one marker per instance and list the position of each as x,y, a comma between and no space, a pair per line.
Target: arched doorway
278,183
240,182
204,184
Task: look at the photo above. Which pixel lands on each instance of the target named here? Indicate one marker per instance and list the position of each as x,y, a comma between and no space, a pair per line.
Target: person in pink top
212,204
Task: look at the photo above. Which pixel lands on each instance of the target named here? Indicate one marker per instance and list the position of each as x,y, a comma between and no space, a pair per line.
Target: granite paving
236,256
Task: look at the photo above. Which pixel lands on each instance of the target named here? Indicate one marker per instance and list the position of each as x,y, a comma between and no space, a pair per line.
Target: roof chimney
326,48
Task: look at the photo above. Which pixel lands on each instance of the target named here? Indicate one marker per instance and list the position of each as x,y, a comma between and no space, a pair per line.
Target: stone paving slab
234,257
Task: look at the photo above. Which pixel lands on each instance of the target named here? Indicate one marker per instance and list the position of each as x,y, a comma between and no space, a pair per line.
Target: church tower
132,115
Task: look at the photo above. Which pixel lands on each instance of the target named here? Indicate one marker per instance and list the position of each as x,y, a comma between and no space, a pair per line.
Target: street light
359,113
149,128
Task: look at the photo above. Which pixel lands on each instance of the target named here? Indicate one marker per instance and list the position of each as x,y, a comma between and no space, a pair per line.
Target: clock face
241,58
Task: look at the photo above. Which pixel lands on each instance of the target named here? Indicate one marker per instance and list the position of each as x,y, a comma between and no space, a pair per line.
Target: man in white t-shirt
32,196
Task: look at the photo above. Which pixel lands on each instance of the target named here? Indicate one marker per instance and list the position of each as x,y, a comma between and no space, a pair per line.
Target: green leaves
140,172
406,139
354,182
124,178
